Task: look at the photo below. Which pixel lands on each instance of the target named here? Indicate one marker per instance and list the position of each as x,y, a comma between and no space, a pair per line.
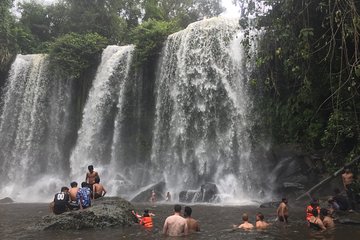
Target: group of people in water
78,197
177,225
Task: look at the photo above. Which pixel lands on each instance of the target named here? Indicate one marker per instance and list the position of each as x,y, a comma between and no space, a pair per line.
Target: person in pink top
175,225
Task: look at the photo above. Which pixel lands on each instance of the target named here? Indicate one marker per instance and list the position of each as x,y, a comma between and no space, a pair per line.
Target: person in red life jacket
309,209
141,219
146,219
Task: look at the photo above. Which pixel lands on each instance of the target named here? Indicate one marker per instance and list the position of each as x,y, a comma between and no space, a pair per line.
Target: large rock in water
207,193
145,194
6,200
105,212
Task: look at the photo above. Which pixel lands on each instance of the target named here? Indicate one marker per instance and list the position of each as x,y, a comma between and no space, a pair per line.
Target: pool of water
17,221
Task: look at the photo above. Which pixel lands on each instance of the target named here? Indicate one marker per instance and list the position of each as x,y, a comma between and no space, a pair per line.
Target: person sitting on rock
83,196
61,201
74,205
260,223
340,200
98,189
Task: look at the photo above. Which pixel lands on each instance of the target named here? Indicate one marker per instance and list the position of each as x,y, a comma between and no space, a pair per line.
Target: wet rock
207,193
105,212
144,195
270,205
6,200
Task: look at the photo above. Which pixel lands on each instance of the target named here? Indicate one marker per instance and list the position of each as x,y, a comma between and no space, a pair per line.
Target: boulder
270,205
145,194
6,200
207,193
105,212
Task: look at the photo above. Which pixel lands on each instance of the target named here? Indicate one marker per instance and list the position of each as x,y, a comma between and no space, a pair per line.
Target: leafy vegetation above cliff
309,80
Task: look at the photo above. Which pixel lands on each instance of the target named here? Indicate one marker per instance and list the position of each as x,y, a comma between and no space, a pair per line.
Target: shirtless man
98,189
246,225
73,192
193,225
326,219
90,176
260,223
348,179
283,211
175,225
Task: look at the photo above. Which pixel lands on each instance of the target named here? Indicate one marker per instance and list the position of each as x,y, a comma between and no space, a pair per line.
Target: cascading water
97,138
33,127
201,127
200,132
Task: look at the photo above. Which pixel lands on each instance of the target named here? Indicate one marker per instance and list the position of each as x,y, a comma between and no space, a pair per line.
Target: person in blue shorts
83,196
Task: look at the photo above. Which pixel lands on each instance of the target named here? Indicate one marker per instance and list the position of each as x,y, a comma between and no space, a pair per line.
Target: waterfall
201,127
191,129
33,129
101,123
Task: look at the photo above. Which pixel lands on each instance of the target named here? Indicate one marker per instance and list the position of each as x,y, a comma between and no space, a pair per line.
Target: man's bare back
73,192
246,225
193,225
175,225
98,190
261,224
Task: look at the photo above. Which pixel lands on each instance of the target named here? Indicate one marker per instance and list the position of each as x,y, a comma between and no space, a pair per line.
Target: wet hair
146,213
260,215
187,211
177,208
245,217
73,184
315,212
284,199
63,189
97,179
84,184
323,212
90,167
347,170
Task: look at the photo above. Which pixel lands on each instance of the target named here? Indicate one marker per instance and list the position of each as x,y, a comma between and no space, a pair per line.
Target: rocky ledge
105,212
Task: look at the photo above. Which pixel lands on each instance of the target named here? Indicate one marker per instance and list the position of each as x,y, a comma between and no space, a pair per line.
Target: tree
7,46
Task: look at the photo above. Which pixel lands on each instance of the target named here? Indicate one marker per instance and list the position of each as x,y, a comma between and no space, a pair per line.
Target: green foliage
149,37
7,41
309,58
74,53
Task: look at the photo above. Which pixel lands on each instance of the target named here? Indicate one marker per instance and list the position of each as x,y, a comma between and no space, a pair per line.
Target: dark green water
17,221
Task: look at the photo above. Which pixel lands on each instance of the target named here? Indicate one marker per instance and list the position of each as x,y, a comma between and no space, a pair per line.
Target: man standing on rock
90,176
348,179
175,225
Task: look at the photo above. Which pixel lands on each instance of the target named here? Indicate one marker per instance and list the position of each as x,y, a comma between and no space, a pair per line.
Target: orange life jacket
147,222
309,212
